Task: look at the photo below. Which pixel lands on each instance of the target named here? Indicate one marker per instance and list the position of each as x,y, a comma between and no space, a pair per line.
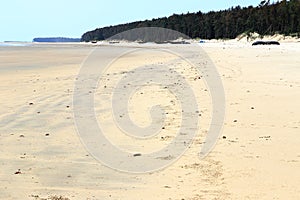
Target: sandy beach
257,155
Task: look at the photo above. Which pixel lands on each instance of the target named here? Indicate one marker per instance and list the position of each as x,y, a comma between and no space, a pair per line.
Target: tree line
267,18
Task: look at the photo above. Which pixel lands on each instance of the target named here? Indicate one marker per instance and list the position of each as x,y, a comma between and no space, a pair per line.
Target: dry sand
43,157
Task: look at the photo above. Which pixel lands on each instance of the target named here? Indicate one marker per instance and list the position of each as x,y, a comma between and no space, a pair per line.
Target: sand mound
251,37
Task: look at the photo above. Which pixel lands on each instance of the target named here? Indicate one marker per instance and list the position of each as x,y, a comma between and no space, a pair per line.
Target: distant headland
56,39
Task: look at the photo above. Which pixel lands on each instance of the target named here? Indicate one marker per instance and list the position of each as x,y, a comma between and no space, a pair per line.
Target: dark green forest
267,18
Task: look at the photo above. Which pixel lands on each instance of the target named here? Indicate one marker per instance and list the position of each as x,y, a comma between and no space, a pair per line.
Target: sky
22,20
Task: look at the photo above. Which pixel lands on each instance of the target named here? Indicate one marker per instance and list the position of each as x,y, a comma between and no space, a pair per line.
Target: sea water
14,44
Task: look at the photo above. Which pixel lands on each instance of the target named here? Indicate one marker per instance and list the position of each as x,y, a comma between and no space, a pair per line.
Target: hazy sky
22,20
